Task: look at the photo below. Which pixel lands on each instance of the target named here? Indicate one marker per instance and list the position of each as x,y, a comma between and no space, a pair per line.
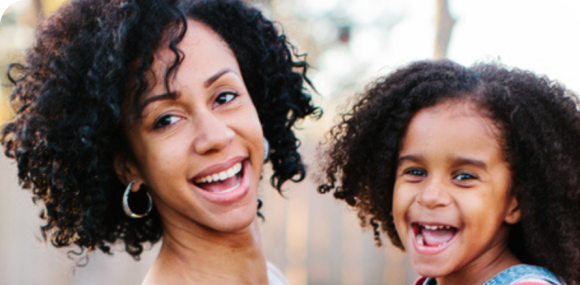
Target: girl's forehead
453,114
456,107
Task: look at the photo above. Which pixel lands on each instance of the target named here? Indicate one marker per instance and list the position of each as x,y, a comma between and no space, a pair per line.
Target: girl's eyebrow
475,162
410,157
458,160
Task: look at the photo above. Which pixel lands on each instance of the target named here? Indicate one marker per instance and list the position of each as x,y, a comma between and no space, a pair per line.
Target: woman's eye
165,121
224,97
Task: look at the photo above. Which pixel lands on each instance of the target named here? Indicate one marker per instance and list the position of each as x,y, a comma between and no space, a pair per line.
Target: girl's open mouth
222,182
433,235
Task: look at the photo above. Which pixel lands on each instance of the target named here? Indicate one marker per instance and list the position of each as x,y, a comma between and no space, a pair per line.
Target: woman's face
199,149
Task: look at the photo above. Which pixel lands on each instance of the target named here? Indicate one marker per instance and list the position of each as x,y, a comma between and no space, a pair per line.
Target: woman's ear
127,171
514,212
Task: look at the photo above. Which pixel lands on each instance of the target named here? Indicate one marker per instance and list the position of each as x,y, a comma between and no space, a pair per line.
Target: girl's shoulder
522,274
425,281
525,274
420,281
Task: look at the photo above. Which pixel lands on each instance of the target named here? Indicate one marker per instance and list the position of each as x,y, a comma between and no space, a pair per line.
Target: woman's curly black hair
92,58
539,123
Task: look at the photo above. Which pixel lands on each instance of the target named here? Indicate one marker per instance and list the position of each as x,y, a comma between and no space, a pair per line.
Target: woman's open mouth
222,182
433,236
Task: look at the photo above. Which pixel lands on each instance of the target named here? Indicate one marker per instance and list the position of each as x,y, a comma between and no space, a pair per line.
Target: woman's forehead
205,54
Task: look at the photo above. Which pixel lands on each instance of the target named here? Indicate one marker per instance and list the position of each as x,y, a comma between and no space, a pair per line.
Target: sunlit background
311,237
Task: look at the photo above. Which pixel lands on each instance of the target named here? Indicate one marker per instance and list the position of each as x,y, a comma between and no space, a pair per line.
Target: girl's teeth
420,239
432,228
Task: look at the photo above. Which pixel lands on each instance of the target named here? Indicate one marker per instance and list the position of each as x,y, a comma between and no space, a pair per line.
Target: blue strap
519,273
516,274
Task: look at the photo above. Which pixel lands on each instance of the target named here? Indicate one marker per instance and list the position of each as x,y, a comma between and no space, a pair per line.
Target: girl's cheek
399,215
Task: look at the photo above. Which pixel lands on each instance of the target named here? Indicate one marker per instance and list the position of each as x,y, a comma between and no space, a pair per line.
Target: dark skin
537,126
451,173
210,233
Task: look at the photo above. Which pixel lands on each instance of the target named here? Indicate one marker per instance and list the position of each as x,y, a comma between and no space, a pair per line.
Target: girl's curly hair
539,123
93,56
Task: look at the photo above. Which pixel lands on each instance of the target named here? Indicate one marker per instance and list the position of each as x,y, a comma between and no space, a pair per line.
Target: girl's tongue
435,236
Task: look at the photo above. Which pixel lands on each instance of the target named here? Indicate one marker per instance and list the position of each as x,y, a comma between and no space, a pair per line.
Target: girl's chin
431,270
433,266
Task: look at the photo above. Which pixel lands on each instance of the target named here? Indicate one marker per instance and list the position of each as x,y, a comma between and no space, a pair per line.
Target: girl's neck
478,273
210,257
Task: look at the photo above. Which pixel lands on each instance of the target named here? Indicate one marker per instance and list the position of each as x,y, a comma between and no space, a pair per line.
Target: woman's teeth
221,176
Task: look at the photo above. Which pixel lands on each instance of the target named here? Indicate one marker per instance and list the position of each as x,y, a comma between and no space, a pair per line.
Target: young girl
474,172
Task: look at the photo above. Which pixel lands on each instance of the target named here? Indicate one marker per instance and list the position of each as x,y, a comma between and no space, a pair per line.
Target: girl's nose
212,134
433,196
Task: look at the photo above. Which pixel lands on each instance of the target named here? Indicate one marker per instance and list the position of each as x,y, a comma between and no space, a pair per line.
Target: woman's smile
224,183
199,146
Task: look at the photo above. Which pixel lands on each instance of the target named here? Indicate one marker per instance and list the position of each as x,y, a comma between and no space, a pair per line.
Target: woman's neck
209,257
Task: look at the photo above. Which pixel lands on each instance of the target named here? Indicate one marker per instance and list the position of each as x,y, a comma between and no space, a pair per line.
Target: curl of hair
273,78
92,57
539,123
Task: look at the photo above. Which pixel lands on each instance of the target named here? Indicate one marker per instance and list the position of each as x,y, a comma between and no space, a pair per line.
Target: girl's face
452,201
199,150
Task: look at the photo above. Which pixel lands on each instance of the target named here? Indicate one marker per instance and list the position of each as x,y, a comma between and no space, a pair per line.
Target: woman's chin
236,220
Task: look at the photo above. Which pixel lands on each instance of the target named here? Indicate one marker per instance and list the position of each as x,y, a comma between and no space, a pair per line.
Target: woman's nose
433,195
212,134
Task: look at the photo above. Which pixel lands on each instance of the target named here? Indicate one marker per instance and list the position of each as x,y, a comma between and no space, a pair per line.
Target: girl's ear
127,171
514,212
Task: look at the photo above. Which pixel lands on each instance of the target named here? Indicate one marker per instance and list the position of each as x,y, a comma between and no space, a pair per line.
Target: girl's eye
414,175
415,172
165,121
464,176
224,98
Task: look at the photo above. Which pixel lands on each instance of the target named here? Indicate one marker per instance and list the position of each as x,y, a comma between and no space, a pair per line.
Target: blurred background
312,238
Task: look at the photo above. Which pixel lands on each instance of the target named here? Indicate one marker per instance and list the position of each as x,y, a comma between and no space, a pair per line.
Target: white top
275,276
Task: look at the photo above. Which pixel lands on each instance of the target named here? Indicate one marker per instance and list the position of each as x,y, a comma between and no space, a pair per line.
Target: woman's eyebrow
164,96
174,95
216,76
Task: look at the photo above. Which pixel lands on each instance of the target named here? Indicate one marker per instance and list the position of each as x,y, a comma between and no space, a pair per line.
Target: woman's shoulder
275,276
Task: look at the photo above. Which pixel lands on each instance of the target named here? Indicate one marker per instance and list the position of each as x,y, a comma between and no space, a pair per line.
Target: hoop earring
126,208
266,149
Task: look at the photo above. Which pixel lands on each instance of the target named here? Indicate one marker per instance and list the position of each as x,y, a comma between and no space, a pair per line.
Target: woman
146,119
